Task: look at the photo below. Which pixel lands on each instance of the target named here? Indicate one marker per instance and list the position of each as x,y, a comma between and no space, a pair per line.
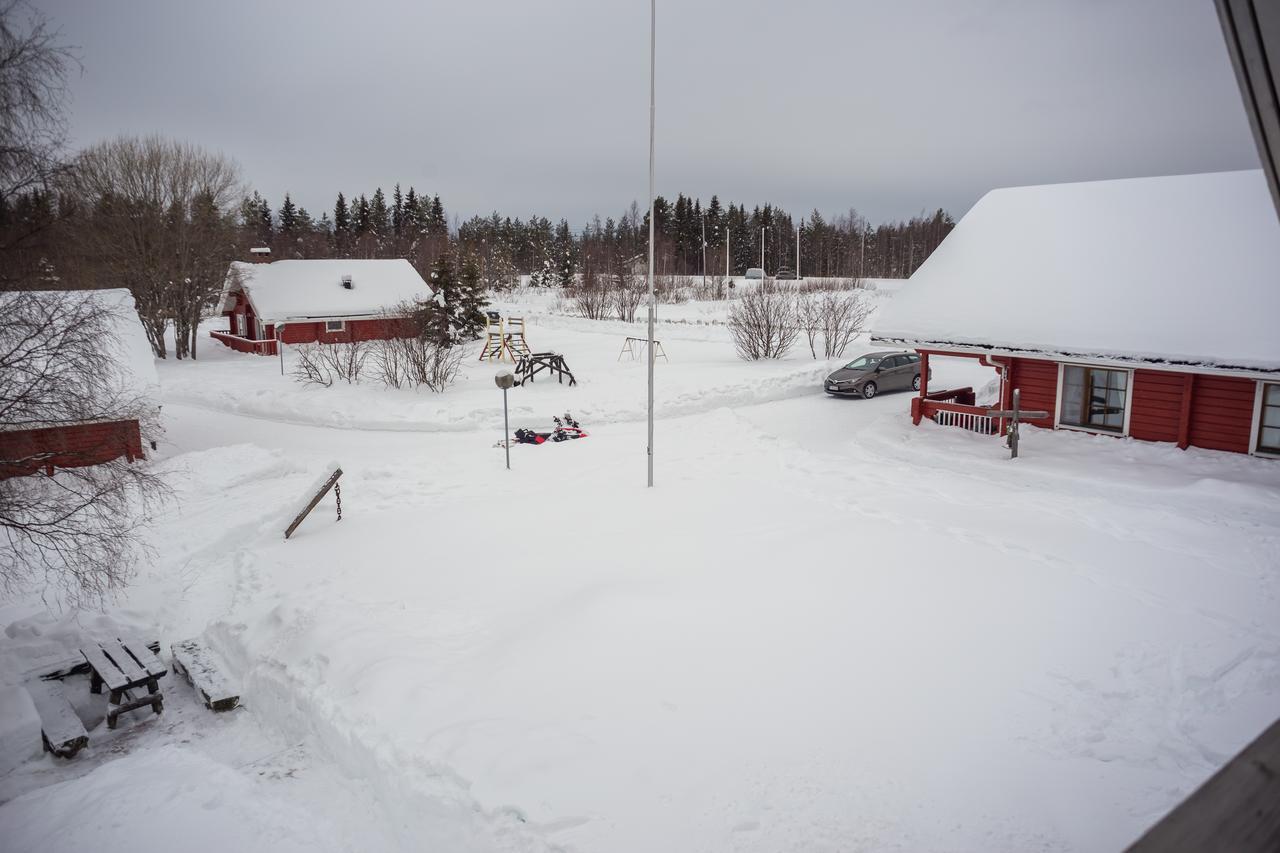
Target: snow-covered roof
1178,270
132,358
295,290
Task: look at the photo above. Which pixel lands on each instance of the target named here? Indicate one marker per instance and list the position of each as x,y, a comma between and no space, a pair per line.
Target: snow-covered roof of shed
135,363
1180,270
294,290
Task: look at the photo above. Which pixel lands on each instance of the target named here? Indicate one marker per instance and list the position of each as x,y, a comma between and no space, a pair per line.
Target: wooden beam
1184,416
1237,810
324,490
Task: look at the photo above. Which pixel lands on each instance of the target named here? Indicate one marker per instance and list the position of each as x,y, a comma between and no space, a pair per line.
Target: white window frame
1128,400
328,326
1255,429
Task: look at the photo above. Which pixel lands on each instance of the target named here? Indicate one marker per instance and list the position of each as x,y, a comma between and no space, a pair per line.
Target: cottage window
1094,397
334,325
1269,420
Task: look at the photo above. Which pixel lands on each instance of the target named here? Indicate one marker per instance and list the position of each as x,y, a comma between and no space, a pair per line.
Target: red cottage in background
315,301
128,385
1146,308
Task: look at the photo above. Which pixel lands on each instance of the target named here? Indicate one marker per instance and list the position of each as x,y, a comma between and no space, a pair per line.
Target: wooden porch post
917,405
1184,417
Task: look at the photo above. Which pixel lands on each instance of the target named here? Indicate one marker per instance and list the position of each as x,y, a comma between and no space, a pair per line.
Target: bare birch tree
75,531
160,221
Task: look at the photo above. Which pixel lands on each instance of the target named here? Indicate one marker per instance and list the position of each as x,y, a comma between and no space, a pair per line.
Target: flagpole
653,302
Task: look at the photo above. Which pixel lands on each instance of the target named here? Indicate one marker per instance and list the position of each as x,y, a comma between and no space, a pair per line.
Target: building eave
1177,364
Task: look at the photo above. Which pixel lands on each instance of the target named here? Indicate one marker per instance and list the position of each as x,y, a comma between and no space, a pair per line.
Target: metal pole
704,254
1013,427
280,346
506,429
797,253
726,251
762,250
653,302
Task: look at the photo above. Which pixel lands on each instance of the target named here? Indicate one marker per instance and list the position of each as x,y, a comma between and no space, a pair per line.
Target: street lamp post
505,379
797,253
653,302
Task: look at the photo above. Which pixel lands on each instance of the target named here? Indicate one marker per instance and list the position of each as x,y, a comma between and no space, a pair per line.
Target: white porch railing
973,422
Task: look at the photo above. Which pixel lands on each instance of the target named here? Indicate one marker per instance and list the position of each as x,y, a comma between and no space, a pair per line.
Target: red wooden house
314,301
1146,308
110,419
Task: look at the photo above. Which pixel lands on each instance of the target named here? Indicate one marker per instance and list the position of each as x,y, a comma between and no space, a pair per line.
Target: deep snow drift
823,630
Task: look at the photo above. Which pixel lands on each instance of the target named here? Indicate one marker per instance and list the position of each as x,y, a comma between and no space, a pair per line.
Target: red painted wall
356,330
1190,409
1157,405
68,446
1037,380
1222,413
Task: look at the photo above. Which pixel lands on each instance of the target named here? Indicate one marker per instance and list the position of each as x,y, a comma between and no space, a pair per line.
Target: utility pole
704,254
762,249
797,253
653,302
726,251
862,254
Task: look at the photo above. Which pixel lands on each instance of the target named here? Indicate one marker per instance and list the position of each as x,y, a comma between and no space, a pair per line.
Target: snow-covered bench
197,663
60,726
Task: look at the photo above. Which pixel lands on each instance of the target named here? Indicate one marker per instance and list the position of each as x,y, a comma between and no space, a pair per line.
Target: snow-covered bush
764,325
417,361
629,292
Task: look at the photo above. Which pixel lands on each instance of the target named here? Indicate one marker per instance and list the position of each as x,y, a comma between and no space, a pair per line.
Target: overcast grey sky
522,106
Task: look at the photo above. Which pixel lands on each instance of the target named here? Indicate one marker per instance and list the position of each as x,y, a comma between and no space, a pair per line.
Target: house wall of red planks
27,451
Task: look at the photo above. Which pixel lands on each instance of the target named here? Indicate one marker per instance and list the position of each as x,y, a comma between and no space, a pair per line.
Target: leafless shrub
325,364
836,317
420,353
710,288
77,530
843,317
672,289
628,294
591,297
763,324
829,285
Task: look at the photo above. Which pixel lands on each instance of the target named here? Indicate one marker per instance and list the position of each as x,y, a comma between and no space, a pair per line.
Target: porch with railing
265,346
955,408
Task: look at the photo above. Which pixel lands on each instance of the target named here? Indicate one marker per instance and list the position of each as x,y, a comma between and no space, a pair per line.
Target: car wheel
869,390
915,383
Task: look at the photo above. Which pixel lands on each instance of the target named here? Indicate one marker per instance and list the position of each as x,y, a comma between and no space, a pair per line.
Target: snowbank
19,728
167,799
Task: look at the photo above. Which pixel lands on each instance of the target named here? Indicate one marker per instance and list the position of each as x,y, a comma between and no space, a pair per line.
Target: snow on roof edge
1154,360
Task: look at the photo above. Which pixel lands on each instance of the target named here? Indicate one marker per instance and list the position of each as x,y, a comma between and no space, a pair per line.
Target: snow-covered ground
824,629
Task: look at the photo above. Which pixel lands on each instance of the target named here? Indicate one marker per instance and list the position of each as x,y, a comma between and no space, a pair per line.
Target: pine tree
288,217
436,222
397,211
379,221
341,218
360,219
467,318
412,214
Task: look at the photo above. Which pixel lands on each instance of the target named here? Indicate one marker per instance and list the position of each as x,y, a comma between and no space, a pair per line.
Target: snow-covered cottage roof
314,289
132,361
1178,270
127,376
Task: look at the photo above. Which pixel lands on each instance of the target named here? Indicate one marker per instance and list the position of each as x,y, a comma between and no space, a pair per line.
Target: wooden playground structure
504,339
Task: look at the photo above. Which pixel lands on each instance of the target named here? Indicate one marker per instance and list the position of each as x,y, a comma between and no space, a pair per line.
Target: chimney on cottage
346,282
260,255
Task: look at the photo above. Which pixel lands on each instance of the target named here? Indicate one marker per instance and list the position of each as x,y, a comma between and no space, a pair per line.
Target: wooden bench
60,727
193,660
122,666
